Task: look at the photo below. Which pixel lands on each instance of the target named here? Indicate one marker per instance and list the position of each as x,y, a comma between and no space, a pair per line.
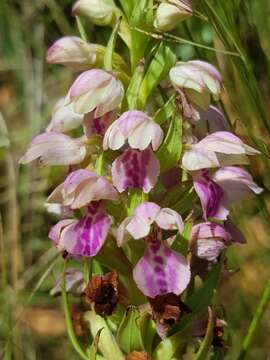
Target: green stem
81,29
255,322
73,339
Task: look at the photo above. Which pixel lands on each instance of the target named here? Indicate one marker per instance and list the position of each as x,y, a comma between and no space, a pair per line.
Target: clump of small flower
113,206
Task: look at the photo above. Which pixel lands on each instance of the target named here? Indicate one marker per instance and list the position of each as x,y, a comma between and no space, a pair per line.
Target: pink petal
210,121
53,148
161,270
169,219
97,125
199,158
122,235
83,186
56,230
135,169
226,143
210,230
236,182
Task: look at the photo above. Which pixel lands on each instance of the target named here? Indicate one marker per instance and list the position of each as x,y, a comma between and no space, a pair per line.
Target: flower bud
170,13
74,52
100,12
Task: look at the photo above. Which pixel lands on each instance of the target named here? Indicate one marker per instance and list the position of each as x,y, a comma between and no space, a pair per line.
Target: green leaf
170,151
168,347
127,6
94,346
158,69
134,87
203,297
207,341
4,141
141,17
166,112
181,242
109,52
129,336
148,331
107,343
136,197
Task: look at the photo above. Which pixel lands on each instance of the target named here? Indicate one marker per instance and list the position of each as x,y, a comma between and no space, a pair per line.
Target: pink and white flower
226,185
80,188
84,237
72,51
95,90
221,148
145,215
52,148
137,128
135,169
196,81
209,239
100,12
64,119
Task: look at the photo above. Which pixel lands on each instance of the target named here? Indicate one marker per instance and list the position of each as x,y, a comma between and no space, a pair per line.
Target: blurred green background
31,322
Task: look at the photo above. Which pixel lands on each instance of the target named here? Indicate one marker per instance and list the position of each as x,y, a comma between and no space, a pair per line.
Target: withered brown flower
102,293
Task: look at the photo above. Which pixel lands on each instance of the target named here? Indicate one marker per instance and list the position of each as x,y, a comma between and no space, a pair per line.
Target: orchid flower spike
52,148
80,188
135,169
221,148
137,128
170,14
64,119
74,52
139,224
196,81
84,237
95,90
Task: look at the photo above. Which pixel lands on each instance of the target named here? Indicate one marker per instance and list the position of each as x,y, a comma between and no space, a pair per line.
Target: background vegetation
31,322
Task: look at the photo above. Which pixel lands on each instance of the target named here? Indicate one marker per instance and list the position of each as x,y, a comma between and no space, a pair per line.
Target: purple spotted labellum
84,237
161,270
135,169
213,199
137,128
144,216
221,148
82,187
97,125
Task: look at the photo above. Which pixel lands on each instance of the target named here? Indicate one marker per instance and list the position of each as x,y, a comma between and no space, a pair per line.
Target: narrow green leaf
158,69
170,151
94,346
108,56
166,112
181,242
132,92
129,336
139,41
107,343
207,341
128,6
